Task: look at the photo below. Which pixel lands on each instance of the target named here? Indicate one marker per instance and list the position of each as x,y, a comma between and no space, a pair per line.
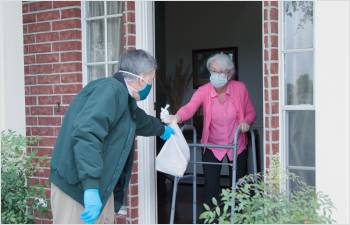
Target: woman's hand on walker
244,127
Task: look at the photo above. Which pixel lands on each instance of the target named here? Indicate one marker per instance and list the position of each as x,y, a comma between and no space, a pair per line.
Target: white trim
12,100
147,177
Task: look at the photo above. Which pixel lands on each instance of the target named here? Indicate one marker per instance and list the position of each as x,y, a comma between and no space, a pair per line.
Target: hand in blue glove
92,206
167,132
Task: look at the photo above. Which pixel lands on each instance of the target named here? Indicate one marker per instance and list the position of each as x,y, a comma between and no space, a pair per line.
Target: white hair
136,61
221,59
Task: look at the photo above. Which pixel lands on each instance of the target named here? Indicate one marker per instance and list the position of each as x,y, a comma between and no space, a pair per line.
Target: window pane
298,24
301,138
307,176
95,41
114,7
94,8
113,38
112,69
299,76
96,72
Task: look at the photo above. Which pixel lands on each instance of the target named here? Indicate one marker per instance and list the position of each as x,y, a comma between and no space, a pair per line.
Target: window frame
284,107
84,19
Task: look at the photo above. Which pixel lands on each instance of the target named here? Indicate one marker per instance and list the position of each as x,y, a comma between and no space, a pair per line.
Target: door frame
147,175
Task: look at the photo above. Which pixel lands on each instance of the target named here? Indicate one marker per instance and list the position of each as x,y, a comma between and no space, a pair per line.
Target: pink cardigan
202,97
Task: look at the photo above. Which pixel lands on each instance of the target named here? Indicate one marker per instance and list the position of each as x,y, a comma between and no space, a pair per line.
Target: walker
194,147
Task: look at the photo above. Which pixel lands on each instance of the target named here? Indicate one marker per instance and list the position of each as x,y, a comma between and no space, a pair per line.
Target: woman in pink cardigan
226,107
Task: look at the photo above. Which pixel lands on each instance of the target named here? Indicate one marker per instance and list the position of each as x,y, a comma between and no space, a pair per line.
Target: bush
259,199
18,199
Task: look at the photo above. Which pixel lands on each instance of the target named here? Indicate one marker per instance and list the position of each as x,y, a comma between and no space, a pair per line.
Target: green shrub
259,199
18,199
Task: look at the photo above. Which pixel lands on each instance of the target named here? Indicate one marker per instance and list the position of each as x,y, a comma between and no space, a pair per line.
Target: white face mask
218,80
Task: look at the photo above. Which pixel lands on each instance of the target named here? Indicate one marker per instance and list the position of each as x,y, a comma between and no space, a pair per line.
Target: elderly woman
226,107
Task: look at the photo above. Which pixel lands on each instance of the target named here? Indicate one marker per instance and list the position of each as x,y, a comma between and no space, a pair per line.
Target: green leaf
217,210
214,201
206,207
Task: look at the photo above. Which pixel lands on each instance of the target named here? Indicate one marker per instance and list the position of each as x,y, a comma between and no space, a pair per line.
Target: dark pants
212,174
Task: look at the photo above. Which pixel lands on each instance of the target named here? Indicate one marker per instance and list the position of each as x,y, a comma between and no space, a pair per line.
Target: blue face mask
218,80
144,92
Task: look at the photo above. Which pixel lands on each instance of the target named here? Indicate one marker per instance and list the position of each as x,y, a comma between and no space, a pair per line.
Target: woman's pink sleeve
250,114
187,111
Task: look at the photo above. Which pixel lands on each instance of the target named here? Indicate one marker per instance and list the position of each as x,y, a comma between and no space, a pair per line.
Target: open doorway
181,28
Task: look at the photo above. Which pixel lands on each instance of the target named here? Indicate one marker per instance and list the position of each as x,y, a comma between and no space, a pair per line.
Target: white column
147,186
332,102
12,104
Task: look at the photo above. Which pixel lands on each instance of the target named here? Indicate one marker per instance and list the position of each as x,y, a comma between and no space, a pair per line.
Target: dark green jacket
95,145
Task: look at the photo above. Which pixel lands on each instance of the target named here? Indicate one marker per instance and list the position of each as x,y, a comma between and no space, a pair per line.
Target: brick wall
53,75
271,80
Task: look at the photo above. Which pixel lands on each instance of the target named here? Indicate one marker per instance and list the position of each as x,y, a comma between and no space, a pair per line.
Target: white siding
12,104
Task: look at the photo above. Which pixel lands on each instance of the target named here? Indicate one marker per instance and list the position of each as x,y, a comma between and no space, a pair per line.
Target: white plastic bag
174,156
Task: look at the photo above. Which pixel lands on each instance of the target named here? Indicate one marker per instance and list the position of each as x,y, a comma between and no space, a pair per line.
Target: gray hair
137,61
224,61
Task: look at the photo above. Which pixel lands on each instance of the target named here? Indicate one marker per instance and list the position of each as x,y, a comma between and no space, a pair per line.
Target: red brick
134,212
66,45
273,14
133,190
60,4
31,120
41,90
265,14
38,221
25,29
274,107
42,173
56,131
29,59
66,99
29,18
28,39
52,121
28,131
40,5
67,67
46,58
275,95
30,100
130,5
275,135
66,89
47,222
25,7
71,78
29,80
44,16
69,13
266,55
46,37
274,54
265,67
27,90
275,148
274,81
41,110
131,29
42,131
274,3
70,34
43,163
134,179
134,201
38,27
274,27
274,41
131,17
25,49
70,56
40,69
275,122
39,48
274,68
131,40
61,111
66,24
48,79
49,99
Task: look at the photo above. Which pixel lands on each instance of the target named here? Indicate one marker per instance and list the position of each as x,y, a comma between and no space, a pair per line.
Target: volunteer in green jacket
92,160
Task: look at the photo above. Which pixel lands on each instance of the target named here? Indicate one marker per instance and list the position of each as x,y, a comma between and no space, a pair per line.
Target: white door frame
147,176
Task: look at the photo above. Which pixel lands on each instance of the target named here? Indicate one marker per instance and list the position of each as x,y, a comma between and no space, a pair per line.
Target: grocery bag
174,156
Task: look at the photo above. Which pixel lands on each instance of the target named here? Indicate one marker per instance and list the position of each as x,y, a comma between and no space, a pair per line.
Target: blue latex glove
92,206
167,132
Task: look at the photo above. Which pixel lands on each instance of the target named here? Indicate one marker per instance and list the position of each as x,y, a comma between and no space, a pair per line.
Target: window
298,110
102,23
